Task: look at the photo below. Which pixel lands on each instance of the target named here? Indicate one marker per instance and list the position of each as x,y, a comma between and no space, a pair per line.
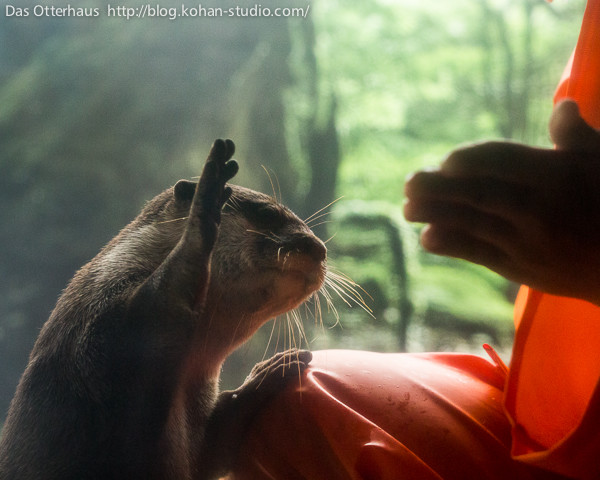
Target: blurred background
98,115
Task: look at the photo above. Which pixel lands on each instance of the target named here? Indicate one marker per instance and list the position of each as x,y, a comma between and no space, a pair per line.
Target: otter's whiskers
291,324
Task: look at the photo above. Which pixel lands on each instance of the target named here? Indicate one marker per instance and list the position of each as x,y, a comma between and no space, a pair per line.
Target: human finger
489,195
484,226
457,243
502,160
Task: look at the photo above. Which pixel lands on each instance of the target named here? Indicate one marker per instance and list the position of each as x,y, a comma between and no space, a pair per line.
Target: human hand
530,214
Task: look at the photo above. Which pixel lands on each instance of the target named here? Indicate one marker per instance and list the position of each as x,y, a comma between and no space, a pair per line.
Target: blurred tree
391,237
314,125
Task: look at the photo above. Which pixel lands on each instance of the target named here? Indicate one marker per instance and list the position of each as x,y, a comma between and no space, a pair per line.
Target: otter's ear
183,191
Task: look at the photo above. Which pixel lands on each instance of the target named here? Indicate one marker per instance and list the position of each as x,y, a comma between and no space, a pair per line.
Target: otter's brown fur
122,381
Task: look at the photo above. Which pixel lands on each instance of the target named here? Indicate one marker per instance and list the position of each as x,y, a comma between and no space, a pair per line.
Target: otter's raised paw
219,168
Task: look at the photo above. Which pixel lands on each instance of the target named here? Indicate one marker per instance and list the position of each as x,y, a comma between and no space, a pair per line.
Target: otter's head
266,260
266,255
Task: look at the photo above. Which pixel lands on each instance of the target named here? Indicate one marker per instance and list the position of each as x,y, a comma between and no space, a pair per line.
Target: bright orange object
364,415
367,416
553,395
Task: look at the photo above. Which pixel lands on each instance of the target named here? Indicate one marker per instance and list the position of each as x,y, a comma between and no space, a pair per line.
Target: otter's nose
309,245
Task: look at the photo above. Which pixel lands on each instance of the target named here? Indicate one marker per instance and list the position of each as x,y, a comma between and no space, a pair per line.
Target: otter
122,380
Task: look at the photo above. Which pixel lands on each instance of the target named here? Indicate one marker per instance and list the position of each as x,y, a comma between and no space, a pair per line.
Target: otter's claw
270,375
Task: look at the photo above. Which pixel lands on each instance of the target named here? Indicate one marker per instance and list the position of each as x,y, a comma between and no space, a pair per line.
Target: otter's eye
270,215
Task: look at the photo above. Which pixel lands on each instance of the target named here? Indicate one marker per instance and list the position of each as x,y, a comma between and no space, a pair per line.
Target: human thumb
571,132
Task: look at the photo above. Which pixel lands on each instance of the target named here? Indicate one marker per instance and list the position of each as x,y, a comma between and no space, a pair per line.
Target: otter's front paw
270,376
211,193
265,380
235,410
